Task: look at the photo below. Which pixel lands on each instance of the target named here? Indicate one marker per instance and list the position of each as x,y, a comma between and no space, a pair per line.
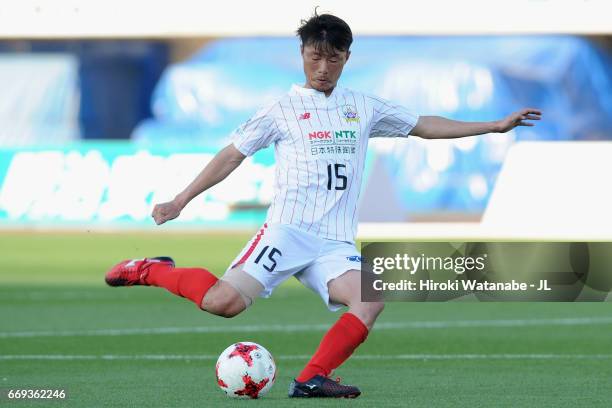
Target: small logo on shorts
354,258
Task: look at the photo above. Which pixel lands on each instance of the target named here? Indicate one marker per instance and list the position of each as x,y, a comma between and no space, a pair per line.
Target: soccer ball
245,370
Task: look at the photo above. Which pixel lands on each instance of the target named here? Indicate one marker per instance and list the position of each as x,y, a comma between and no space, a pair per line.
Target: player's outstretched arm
437,127
224,162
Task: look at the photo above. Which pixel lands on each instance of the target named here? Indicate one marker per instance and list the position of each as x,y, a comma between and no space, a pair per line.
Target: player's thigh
335,259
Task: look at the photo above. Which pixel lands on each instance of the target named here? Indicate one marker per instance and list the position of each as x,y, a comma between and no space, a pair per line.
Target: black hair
325,32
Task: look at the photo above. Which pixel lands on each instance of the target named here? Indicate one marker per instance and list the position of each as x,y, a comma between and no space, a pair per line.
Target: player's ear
302,49
348,54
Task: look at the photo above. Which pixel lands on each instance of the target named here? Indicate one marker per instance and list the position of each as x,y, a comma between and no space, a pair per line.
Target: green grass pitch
60,327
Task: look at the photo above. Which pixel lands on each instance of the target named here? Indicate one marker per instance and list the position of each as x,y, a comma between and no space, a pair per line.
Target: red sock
190,283
337,345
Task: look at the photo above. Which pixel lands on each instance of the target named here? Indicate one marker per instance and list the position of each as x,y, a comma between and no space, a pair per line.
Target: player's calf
367,312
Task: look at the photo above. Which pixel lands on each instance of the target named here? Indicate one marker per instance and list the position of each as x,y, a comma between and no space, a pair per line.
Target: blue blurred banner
61,91
116,184
39,101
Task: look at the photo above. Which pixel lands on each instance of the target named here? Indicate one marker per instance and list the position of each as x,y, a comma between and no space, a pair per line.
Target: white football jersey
320,146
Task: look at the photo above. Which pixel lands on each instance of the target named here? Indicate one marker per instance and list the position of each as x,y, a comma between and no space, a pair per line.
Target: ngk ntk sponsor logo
344,137
330,143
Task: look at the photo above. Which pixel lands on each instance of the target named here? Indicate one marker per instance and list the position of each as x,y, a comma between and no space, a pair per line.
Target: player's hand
165,212
519,118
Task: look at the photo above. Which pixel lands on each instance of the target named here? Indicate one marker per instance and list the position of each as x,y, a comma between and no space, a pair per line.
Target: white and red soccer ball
245,370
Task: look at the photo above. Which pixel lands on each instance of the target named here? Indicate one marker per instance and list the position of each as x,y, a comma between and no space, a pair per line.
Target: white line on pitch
178,357
292,328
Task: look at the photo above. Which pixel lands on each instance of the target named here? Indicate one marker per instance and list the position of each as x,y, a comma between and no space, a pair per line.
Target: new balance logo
305,115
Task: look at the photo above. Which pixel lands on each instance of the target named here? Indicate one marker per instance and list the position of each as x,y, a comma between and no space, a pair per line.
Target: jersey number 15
340,178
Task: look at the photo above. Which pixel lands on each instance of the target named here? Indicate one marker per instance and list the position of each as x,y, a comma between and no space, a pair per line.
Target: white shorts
279,251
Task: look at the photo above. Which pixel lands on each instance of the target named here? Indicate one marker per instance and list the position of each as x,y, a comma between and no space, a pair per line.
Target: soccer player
320,133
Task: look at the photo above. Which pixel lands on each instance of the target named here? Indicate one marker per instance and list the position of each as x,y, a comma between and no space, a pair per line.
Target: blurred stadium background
109,107
99,121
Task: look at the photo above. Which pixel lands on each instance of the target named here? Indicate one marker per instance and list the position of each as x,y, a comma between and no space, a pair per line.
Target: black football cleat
322,387
133,271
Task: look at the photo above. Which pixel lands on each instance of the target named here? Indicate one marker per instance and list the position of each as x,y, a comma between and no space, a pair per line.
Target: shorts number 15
273,252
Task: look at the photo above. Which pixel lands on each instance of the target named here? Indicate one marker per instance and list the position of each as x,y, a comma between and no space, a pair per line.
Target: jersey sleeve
391,120
257,133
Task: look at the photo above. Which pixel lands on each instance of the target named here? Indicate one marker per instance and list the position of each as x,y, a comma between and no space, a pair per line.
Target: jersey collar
300,90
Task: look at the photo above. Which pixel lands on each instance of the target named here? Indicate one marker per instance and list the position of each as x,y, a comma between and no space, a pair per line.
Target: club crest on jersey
350,113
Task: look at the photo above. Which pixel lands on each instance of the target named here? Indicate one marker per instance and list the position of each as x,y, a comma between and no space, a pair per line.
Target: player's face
323,67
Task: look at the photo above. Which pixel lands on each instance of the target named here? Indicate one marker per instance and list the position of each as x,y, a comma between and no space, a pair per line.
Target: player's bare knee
224,307
223,300
346,288
231,309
